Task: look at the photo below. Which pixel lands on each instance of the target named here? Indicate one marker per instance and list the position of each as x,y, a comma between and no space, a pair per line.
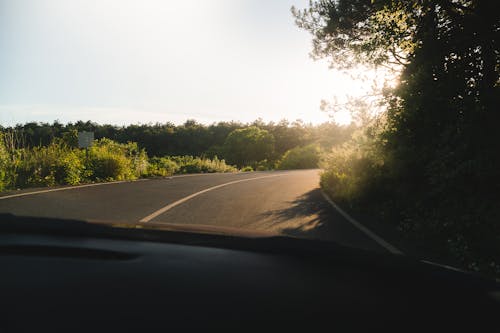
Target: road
286,202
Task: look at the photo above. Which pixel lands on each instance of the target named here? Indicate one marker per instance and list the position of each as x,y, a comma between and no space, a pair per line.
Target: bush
4,164
351,170
108,160
55,164
300,158
263,165
162,166
40,166
69,169
190,164
247,169
59,163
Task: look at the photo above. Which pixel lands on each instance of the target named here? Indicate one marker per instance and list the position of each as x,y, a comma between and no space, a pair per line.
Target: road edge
71,187
379,240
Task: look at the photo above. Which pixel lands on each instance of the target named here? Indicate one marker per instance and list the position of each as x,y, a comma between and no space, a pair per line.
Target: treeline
431,164
254,144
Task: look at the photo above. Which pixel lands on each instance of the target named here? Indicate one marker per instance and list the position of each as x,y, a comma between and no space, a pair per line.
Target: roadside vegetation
58,163
306,157
430,163
39,154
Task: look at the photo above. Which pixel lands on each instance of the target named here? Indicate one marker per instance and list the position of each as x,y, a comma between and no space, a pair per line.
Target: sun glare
364,84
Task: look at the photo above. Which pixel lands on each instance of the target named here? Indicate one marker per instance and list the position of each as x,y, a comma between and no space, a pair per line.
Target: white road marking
189,197
99,184
362,228
66,188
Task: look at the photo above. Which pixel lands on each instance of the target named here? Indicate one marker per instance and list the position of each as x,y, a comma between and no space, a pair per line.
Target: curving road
287,202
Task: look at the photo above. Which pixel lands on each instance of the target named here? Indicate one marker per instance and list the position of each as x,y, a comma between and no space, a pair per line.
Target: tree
439,137
300,158
249,145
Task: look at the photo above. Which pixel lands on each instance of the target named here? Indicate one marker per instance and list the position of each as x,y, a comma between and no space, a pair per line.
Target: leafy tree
288,136
70,138
248,145
300,158
439,140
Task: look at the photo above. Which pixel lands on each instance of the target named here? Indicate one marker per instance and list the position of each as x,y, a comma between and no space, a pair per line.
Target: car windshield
370,124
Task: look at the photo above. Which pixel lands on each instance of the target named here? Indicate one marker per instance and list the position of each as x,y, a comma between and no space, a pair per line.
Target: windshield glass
366,123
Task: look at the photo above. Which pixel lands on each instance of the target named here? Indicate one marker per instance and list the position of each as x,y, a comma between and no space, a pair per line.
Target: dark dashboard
74,276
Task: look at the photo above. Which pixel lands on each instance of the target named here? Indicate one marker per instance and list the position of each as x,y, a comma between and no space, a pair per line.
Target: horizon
181,123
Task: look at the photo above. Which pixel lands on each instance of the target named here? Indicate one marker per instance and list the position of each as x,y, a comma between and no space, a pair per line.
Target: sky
146,61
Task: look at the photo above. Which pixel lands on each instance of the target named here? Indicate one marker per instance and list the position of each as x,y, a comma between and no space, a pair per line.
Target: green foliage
247,169
352,170
4,163
435,158
263,165
108,166
190,138
69,168
60,164
45,166
249,145
300,158
109,160
190,164
162,166
70,138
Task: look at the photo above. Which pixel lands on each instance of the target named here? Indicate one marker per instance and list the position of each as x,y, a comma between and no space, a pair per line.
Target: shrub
4,164
190,164
69,169
109,160
300,158
162,166
247,169
351,169
137,157
216,165
263,165
38,166
59,163
106,161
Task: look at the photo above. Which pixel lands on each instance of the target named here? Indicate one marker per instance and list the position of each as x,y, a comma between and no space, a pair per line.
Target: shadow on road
311,216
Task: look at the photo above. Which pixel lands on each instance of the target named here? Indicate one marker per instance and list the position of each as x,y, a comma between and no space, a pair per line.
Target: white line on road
178,202
66,188
362,228
99,184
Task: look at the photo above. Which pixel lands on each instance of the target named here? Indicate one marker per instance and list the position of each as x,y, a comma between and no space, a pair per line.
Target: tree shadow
307,205
311,216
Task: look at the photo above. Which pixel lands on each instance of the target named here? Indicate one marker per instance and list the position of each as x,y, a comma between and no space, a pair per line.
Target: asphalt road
286,202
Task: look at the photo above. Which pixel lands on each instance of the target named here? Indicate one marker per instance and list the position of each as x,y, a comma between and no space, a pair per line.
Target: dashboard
60,275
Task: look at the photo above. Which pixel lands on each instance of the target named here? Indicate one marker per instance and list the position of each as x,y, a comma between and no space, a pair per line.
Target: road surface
286,202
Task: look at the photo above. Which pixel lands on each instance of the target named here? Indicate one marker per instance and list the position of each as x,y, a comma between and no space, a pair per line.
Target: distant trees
300,158
249,145
190,138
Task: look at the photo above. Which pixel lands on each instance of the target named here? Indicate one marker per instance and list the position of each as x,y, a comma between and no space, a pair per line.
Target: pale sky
122,62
